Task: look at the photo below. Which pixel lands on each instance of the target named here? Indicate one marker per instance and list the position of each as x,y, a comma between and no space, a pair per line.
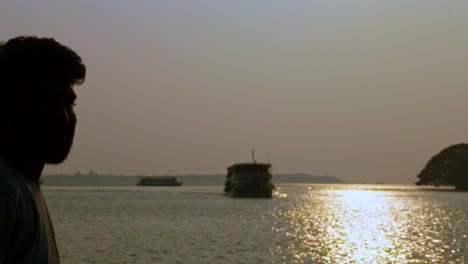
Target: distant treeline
94,179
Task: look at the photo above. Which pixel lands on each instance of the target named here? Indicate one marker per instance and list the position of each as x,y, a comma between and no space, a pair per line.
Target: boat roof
250,164
159,177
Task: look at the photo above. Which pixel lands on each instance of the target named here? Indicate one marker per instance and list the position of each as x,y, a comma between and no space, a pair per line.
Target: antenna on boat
253,157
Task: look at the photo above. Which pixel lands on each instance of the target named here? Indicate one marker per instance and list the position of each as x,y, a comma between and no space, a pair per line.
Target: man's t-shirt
26,231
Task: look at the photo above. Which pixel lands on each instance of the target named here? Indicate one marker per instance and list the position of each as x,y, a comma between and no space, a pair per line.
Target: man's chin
55,161
56,158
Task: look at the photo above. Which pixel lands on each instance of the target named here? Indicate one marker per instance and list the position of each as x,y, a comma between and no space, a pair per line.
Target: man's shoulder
9,189
12,185
7,182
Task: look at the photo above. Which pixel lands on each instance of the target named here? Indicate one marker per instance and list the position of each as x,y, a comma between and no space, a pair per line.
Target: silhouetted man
37,125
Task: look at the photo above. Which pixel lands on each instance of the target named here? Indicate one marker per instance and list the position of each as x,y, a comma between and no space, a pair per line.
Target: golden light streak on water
365,228
369,226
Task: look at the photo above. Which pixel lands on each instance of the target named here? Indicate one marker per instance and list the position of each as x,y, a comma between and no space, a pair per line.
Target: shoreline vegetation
95,179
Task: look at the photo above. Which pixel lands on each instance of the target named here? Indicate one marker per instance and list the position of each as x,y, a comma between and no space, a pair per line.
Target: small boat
249,180
159,181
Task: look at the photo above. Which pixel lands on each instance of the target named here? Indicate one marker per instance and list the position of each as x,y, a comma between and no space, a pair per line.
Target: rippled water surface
302,224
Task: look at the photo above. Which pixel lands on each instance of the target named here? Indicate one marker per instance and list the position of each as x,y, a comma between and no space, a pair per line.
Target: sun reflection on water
365,226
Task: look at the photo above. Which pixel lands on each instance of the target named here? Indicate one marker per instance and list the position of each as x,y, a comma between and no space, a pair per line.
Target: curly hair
28,60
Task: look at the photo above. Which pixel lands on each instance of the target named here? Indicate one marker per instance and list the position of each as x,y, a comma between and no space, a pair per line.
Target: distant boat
159,181
249,180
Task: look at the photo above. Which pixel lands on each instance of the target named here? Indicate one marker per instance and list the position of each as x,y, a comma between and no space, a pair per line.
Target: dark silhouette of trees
449,168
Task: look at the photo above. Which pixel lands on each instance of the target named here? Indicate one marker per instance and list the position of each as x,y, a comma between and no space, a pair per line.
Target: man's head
37,76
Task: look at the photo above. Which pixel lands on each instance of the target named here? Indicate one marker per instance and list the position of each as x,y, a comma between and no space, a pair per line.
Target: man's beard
57,149
47,150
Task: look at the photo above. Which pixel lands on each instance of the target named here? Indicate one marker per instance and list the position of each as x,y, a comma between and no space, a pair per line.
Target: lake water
301,224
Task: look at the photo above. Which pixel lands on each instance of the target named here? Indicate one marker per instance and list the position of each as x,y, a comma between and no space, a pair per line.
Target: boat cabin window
252,169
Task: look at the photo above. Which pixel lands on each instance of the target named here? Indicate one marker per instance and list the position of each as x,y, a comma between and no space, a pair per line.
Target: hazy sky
363,90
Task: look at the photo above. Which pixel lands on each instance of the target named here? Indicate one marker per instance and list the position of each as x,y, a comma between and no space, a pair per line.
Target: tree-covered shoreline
447,168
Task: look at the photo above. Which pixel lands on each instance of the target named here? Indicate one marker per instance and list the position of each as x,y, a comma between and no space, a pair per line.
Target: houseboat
249,180
159,181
